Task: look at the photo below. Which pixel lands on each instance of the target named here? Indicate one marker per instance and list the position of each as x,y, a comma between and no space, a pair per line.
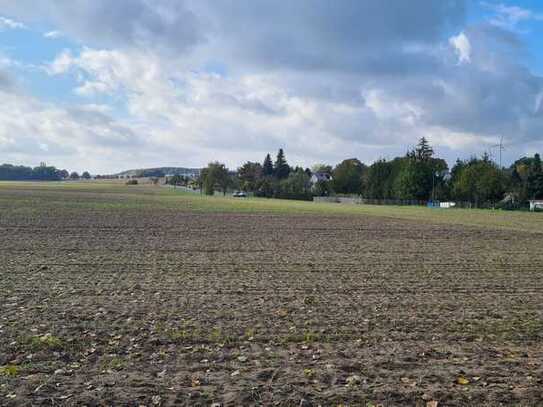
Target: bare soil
167,307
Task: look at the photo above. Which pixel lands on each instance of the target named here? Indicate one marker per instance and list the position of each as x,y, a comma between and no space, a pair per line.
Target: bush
132,182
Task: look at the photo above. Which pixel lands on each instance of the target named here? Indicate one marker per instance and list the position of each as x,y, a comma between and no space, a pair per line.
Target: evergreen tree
424,151
267,166
281,169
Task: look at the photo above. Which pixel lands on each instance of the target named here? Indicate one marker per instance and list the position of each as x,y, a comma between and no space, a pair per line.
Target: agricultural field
142,295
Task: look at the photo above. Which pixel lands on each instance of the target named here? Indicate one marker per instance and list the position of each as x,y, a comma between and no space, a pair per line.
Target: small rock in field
60,371
156,400
353,380
234,373
242,358
305,403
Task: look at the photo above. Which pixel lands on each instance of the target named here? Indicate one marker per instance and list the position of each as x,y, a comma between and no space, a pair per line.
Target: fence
355,200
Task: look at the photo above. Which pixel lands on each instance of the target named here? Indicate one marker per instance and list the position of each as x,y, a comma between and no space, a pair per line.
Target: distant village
418,178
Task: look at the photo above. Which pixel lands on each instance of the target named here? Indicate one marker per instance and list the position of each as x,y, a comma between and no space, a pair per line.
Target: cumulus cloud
462,46
9,24
509,17
52,34
323,80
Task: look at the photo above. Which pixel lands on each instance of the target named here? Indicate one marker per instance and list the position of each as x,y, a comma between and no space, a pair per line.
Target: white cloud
356,80
508,17
462,47
62,63
9,24
53,34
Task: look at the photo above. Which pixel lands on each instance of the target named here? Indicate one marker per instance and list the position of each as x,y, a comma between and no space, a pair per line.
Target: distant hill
160,171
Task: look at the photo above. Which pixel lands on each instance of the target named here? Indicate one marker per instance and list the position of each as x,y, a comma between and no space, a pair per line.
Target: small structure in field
536,205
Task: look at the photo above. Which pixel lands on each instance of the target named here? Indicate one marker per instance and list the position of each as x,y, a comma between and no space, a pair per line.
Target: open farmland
145,296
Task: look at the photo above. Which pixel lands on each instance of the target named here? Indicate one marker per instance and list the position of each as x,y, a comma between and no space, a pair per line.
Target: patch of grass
250,333
31,198
9,371
45,342
113,363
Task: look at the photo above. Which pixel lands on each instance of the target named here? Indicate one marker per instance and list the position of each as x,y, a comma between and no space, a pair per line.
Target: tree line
43,172
418,175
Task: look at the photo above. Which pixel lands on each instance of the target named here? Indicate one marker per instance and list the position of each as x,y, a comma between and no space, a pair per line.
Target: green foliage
267,167
479,181
296,186
86,175
43,172
178,180
322,188
281,169
377,180
45,342
535,179
322,168
215,175
419,177
249,175
347,177
9,371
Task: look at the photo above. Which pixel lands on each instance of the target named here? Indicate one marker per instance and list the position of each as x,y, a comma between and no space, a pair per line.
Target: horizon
107,87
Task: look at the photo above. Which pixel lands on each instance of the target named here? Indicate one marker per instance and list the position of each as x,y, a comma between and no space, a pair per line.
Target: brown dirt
162,307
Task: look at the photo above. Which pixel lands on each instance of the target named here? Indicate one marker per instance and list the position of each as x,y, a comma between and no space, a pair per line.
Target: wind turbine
501,148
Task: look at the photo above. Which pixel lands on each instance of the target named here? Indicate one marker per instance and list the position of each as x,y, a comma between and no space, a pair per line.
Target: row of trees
418,175
43,172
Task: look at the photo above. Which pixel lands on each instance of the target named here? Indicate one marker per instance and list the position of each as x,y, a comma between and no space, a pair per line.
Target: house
320,177
536,205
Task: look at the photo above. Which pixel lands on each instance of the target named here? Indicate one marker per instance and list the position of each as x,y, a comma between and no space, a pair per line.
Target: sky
105,85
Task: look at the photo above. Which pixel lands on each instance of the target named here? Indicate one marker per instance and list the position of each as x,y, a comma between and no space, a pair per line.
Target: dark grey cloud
6,81
351,35
166,25
103,130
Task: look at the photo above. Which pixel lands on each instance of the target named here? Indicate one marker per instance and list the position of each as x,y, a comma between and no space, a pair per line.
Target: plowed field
111,298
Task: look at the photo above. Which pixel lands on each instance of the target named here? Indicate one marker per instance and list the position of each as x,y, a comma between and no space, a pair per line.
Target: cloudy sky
110,85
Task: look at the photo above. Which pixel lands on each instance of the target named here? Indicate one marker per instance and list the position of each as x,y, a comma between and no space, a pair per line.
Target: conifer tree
267,166
281,168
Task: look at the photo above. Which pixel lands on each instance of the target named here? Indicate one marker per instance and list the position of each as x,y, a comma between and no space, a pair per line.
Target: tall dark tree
86,175
423,151
378,179
281,169
267,166
535,178
249,174
347,177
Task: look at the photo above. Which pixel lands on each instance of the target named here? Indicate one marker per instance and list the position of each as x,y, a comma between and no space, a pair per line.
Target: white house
320,176
536,205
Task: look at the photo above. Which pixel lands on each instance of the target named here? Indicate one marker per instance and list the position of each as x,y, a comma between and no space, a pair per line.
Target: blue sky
107,86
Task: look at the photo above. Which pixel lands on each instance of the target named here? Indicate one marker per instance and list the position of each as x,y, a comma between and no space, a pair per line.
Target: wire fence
356,200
